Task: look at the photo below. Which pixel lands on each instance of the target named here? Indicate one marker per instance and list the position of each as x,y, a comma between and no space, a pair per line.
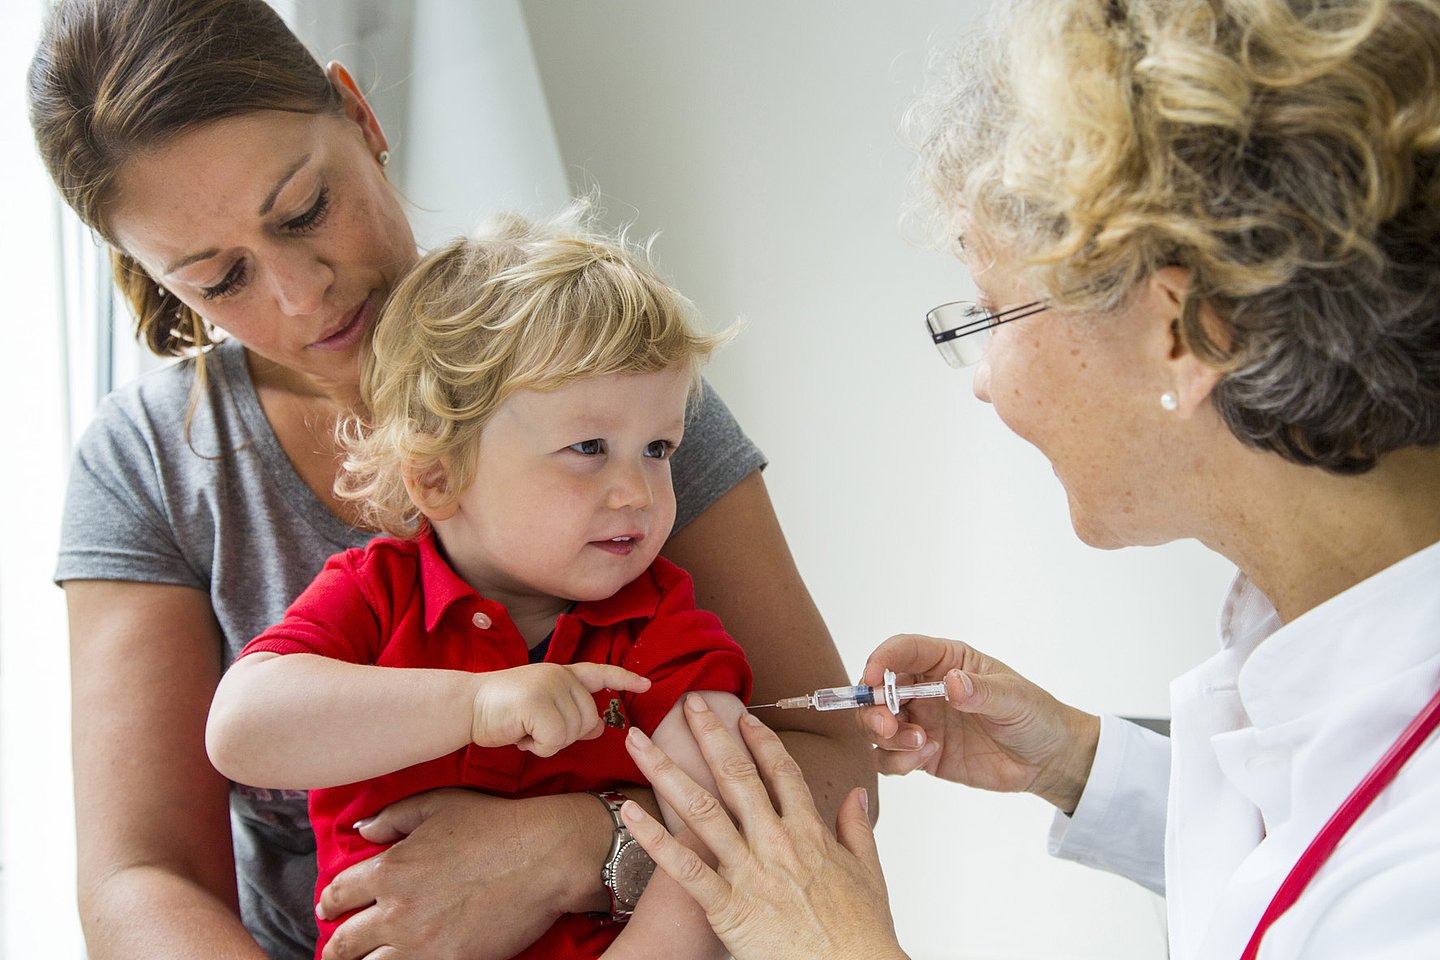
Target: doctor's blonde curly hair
1286,154
517,306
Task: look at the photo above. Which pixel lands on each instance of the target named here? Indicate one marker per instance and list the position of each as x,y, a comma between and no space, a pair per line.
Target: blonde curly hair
517,306
1286,154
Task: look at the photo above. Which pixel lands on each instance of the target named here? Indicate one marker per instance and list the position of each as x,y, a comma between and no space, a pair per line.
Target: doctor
1206,239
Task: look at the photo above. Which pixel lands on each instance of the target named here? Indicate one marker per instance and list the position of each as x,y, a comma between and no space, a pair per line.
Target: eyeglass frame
981,324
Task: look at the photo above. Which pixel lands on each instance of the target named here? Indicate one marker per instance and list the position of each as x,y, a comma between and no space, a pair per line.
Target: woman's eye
659,449
313,217
232,282
589,448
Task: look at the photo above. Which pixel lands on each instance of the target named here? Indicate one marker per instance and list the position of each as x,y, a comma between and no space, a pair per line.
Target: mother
242,188
1215,225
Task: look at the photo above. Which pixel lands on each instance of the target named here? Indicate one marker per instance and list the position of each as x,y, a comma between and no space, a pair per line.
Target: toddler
525,393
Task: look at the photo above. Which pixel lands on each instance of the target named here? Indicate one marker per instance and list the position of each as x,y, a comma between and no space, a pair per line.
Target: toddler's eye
589,448
659,449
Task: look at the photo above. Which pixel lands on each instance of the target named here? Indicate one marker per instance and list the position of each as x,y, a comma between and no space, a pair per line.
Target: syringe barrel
921,691
844,698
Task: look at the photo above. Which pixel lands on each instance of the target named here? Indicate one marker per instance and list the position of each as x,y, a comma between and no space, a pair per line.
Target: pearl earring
160,292
383,157
1168,401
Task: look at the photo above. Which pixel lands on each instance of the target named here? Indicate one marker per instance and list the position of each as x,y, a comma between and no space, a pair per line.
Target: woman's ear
357,108
430,491
1189,379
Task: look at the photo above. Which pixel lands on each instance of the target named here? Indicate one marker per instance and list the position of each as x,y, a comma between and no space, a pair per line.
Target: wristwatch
628,868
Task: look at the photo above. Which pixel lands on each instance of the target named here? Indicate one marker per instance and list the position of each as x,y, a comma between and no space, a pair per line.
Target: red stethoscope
1343,819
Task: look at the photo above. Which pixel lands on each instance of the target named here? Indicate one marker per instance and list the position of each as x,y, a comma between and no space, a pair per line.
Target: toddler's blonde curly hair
519,305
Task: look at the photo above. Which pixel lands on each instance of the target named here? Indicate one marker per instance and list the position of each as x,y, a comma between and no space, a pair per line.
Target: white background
761,139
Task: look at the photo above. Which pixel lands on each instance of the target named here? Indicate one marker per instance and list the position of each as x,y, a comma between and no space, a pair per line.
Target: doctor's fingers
684,866
694,804
916,656
897,763
751,774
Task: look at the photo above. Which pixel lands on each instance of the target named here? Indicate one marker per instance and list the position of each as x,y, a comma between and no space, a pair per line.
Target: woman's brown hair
113,78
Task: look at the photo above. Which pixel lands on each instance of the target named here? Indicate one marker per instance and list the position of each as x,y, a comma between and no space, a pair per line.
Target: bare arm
303,721
743,571
156,868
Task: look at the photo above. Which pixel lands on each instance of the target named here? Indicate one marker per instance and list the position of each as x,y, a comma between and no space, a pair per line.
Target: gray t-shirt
226,513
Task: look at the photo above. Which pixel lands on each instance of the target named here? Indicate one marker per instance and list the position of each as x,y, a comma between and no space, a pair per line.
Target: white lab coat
1267,741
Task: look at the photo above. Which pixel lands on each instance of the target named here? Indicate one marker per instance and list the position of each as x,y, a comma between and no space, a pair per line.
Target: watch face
633,868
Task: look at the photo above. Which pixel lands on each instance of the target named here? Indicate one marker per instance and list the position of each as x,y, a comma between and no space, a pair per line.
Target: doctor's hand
995,731
785,887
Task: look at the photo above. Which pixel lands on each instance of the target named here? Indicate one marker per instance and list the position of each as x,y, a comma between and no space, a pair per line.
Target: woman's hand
785,887
461,859
996,730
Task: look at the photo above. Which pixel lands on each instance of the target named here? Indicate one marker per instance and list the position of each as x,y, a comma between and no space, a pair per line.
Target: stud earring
160,292
1168,401
383,157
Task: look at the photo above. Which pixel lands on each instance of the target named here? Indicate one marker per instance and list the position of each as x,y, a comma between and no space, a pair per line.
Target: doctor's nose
981,384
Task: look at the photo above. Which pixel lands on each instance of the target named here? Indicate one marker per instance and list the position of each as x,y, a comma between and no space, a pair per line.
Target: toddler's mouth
622,545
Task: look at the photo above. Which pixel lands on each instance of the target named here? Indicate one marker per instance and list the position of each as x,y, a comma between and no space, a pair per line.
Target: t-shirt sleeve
116,525
336,617
682,649
715,456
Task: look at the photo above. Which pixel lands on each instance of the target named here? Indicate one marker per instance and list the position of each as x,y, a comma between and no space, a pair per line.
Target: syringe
851,698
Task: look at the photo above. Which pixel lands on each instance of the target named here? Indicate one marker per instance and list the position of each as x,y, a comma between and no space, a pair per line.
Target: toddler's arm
667,922
302,721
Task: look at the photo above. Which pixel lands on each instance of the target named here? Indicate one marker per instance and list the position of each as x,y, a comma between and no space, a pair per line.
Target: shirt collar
441,586
1376,629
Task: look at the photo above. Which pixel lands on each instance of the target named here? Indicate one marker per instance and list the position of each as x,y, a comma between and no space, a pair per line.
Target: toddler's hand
545,707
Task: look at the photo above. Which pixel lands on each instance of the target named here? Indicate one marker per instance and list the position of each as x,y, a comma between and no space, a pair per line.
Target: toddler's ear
429,490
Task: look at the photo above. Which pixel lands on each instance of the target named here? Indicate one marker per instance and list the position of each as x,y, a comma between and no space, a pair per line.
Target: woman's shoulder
715,456
162,407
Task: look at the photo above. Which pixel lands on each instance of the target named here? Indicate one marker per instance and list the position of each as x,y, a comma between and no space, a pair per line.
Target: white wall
456,88
761,139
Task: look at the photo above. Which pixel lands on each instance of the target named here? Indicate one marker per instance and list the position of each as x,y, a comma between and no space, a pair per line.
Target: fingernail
319,914
637,737
911,739
928,751
361,824
864,799
965,681
696,702
750,720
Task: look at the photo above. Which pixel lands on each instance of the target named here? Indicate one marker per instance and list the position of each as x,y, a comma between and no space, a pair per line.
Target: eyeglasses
961,329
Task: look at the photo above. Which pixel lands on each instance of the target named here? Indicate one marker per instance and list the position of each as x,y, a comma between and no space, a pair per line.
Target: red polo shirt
397,603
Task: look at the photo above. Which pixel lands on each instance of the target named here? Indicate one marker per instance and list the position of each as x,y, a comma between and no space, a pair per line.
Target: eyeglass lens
961,329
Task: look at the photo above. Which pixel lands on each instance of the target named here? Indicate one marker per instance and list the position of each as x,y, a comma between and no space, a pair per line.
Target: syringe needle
788,703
